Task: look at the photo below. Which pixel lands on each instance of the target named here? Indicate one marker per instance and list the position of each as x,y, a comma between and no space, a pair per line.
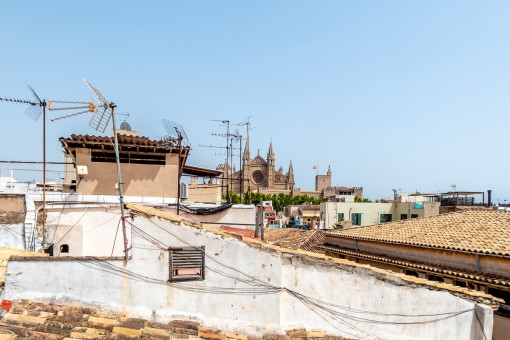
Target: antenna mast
35,109
103,112
99,121
176,135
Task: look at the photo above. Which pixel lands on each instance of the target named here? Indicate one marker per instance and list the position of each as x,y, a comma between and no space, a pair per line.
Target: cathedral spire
270,153
290,173
246,155
290,177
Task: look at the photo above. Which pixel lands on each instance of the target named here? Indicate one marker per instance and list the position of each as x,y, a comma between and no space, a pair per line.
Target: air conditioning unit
184,190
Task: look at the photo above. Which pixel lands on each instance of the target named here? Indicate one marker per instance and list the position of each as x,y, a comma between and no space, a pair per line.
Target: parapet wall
253,288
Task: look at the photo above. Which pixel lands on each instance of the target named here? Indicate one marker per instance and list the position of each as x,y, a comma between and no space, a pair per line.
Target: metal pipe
44,178
179,137
119,184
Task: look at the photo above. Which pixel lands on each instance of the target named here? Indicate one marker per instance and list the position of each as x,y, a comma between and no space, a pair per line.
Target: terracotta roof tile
480,231
289,238
29,320
451,271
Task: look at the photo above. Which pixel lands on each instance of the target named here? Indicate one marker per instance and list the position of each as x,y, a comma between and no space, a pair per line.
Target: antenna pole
44,177
241,173
119,184
179,138
228,150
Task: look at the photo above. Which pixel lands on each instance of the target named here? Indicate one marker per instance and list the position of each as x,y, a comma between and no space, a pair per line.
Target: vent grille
187,264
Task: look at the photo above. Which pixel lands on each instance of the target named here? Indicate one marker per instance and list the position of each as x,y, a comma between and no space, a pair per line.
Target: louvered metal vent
187,264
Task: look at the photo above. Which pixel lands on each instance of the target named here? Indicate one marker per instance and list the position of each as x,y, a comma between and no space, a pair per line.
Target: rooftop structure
468,249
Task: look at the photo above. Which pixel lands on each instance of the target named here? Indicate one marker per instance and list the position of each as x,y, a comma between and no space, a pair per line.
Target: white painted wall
11,235
88,230
238,216
230,263
371,212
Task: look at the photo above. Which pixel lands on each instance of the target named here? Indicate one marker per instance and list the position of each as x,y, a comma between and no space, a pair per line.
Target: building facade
258,174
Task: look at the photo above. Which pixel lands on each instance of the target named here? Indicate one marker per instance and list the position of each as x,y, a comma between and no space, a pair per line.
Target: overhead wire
259,287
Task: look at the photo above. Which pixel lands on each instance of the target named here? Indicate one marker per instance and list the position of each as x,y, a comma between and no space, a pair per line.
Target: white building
364,213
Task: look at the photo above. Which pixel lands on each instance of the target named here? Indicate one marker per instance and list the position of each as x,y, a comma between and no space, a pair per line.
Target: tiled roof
289,238
30,320
473,231
496,280
314,241
6,253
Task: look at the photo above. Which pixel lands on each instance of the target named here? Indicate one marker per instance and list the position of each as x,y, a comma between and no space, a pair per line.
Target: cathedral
257,174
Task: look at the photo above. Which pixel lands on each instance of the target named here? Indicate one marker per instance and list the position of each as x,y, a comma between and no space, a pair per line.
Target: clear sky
412,95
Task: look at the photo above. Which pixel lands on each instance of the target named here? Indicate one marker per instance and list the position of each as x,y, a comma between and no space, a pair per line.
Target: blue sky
392,94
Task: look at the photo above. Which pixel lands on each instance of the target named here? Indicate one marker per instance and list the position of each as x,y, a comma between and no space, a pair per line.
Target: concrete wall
204,193
442,257
236,294
149,180
88,230
238,216
371,212
11,235
12,202
409,208
501,328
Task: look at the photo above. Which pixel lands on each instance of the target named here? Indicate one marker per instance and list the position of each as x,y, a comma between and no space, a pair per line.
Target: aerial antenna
246,122
36,108
176,137
104,111
174,132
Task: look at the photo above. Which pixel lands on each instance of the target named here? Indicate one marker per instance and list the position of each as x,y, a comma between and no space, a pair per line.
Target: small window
64,249
356,218
385,218
340,217
414,215
403,216
187,264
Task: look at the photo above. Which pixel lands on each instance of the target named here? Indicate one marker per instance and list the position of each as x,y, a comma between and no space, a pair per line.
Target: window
385,218
187,264
64,248
340,217
403,216
414,215
356,218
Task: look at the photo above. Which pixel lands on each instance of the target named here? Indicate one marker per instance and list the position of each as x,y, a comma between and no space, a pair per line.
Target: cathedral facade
258,175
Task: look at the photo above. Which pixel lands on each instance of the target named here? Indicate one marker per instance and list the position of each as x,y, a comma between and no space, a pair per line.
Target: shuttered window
187,264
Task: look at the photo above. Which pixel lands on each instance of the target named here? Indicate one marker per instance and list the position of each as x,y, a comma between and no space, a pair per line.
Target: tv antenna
102,113
176,137
36,108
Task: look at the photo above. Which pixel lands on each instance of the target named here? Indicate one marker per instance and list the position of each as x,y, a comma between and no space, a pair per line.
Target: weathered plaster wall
88,230
235,267
138,179
203,193
10,202
11,235
238,216
443,257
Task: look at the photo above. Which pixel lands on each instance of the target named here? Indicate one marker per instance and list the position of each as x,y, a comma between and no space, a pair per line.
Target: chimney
489,198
